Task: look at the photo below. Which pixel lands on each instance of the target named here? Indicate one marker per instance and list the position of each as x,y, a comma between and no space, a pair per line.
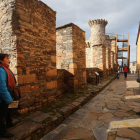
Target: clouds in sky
123,16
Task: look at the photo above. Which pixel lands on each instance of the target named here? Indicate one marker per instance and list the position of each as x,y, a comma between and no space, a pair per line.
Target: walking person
8,93
118,72
125,70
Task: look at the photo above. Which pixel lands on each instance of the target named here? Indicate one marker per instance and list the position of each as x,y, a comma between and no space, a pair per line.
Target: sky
123,16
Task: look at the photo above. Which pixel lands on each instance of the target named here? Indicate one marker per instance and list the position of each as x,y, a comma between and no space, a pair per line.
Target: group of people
125,70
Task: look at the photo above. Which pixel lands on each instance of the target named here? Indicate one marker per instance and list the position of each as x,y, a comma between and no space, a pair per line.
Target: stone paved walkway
108,116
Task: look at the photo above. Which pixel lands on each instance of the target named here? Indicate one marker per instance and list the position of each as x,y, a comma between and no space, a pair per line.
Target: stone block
23,111
41,117
66,111
34,114
25,89
20,56
24,79
52,72
51,99
51,85
24,129
35,87
53,58
27,71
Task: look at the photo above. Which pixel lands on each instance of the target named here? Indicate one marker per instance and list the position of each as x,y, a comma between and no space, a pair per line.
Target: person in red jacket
125,70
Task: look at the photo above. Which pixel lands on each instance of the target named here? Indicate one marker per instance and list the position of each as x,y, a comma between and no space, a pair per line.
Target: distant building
133,67
138,51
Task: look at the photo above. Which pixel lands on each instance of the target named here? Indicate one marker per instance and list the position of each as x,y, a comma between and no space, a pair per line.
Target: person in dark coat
125,70
7,88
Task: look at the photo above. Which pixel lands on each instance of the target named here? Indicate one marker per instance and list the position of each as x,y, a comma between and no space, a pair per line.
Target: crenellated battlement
97,21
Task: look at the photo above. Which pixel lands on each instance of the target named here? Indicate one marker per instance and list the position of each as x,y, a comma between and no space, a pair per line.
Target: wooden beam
121,57
122,40
128,55
122,48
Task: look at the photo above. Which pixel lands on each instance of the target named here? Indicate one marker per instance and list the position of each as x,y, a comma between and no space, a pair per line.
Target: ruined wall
99,58
34,30
108,54
71,55
89,54
112,62
7,37
64,45
89,57
79,56
113,48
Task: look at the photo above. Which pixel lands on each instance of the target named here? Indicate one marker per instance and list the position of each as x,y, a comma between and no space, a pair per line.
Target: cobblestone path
108,116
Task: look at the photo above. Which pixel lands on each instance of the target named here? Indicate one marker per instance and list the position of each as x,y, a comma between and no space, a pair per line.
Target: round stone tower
97,31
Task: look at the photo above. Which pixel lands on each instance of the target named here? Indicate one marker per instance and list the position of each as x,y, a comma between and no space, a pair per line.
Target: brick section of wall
71,55
32,26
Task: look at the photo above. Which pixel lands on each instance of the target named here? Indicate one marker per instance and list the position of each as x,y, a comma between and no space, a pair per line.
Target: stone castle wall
71,55
33,26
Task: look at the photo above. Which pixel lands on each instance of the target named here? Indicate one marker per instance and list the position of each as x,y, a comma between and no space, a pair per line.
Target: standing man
125,70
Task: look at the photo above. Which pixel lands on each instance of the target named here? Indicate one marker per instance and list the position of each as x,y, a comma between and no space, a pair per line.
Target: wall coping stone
68,25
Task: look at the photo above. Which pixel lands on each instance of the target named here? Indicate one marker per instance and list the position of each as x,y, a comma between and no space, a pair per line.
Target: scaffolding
123,50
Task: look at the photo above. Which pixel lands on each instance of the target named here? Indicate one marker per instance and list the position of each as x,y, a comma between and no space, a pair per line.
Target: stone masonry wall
89,54
34,29
112,62
99,58
64,45
79,57
91,77
71,54
89,57
108,54
7,38
113,48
